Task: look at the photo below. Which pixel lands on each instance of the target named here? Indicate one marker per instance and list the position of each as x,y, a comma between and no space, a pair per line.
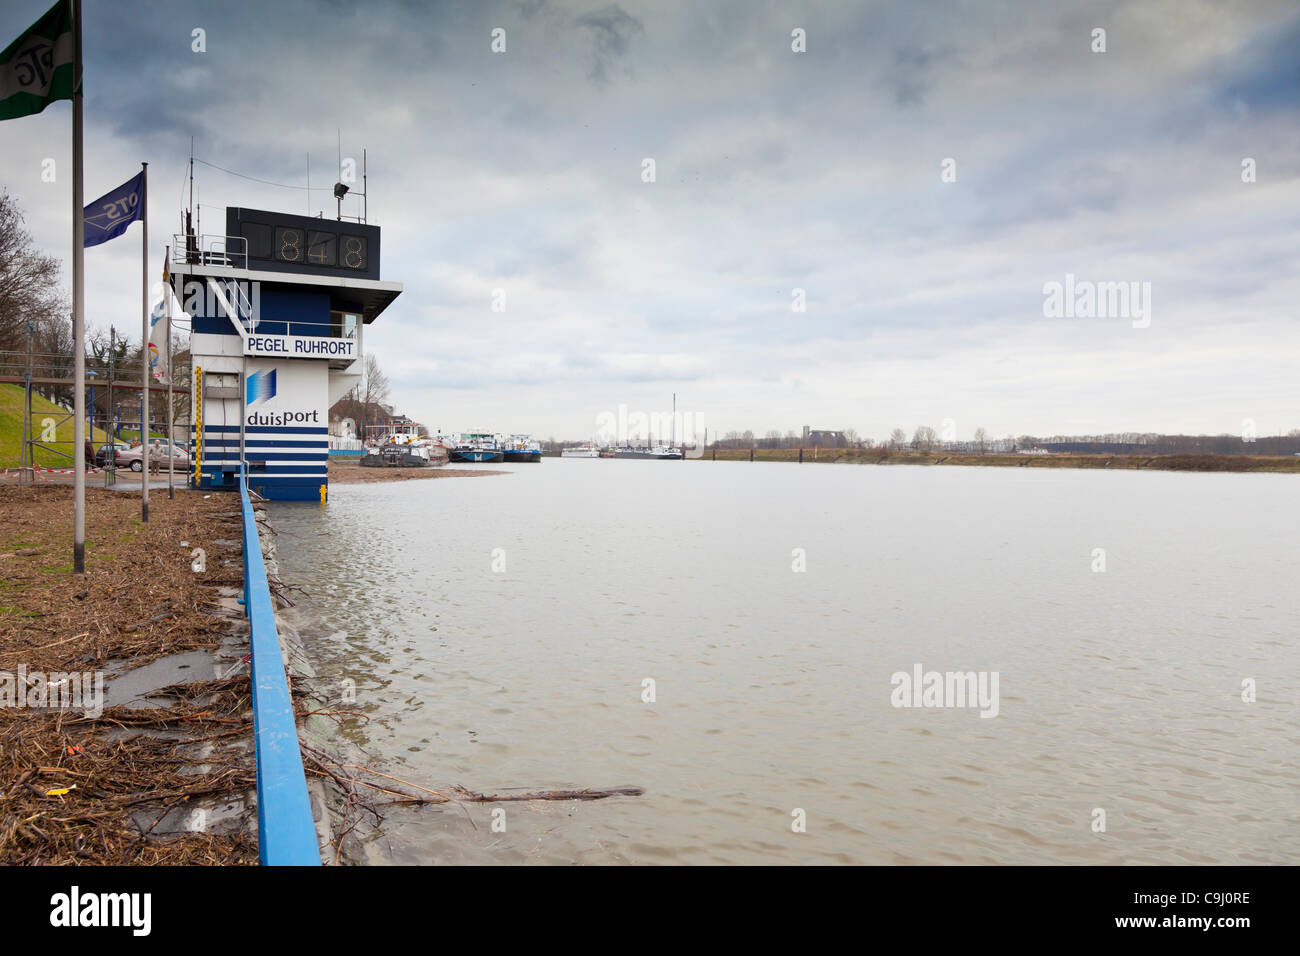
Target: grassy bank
881,456
11,429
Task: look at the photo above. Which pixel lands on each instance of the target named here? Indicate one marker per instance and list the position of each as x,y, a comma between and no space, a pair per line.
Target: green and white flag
36,69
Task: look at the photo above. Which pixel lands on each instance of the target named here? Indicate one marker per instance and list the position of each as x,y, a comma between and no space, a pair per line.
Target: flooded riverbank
501,634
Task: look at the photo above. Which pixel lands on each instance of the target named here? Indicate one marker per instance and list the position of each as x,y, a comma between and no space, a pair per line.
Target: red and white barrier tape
37,470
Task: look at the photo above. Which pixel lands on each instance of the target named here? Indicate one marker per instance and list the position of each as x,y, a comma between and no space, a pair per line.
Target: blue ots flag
109,215
36,69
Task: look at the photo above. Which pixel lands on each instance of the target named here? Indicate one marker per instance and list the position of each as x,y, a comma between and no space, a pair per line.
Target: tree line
927,438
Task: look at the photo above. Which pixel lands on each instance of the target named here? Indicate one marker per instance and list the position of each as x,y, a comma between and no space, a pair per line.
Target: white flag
160,334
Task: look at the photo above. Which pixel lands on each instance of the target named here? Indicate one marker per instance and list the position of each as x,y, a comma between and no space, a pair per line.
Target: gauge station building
280,306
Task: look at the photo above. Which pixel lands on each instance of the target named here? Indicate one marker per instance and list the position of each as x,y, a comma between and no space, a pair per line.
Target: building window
343,325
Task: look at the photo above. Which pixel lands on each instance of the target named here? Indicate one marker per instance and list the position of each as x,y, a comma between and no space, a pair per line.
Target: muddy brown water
498,634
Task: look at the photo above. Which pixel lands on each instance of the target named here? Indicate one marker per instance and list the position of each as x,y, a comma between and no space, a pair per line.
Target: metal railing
286,834
209,249
236,301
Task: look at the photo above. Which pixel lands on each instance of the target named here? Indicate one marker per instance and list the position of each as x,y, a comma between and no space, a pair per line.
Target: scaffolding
43,370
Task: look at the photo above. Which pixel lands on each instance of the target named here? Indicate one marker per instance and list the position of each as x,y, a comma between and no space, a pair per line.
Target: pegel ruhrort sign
300,346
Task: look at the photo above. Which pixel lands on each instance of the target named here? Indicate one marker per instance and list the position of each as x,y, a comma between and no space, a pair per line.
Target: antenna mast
191,247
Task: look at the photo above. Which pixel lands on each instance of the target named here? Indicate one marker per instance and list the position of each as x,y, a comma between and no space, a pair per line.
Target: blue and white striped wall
286,463
284,405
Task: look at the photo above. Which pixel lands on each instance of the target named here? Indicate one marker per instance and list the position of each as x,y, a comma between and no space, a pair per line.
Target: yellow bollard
322,494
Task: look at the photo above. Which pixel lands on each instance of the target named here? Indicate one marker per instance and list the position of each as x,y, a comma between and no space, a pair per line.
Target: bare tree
897,438
363,403
29,280
924,438
374,386
981,440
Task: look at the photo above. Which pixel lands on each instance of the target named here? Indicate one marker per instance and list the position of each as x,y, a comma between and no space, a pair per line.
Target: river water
499,631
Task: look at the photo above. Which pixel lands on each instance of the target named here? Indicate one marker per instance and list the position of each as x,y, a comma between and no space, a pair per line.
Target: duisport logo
260,387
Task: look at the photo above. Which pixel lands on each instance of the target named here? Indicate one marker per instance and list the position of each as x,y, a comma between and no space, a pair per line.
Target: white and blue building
279,306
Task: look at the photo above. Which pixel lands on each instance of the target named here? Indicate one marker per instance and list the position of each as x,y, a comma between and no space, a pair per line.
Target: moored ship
521,448
420,454
478,447
401,446
654,452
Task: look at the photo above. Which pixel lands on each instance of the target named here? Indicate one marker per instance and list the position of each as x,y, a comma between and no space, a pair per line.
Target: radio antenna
191,245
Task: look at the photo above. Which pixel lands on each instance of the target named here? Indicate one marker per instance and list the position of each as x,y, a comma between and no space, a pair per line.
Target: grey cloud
612,30
910,77
1265,75
777,170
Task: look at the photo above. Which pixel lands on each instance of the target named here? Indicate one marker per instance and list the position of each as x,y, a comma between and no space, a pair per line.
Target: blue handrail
286,835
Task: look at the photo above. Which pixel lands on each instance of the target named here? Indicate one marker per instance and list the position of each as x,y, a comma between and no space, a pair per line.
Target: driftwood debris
351,779
588,793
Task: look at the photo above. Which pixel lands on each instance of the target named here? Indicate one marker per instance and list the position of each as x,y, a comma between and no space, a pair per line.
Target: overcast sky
775,171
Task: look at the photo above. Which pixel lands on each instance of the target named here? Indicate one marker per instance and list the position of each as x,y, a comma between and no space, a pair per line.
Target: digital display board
280,242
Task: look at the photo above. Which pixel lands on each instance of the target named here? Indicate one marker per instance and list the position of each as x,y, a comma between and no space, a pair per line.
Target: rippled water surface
1119,690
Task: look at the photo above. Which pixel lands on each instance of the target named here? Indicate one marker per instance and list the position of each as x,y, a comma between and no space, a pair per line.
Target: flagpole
78,312
144,342
171,427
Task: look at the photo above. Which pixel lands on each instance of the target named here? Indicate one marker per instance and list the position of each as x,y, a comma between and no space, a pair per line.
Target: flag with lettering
109,215
37,68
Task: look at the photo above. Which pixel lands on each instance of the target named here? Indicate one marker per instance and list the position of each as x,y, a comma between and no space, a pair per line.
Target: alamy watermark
53,690
74,908
1085,299
946,689
679,430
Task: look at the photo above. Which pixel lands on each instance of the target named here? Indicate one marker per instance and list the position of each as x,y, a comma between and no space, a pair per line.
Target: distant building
823,438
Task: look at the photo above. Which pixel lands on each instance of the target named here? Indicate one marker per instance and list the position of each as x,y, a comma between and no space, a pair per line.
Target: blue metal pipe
286,835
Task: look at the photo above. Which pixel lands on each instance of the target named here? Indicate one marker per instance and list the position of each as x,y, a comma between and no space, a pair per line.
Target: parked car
102,452
160,450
